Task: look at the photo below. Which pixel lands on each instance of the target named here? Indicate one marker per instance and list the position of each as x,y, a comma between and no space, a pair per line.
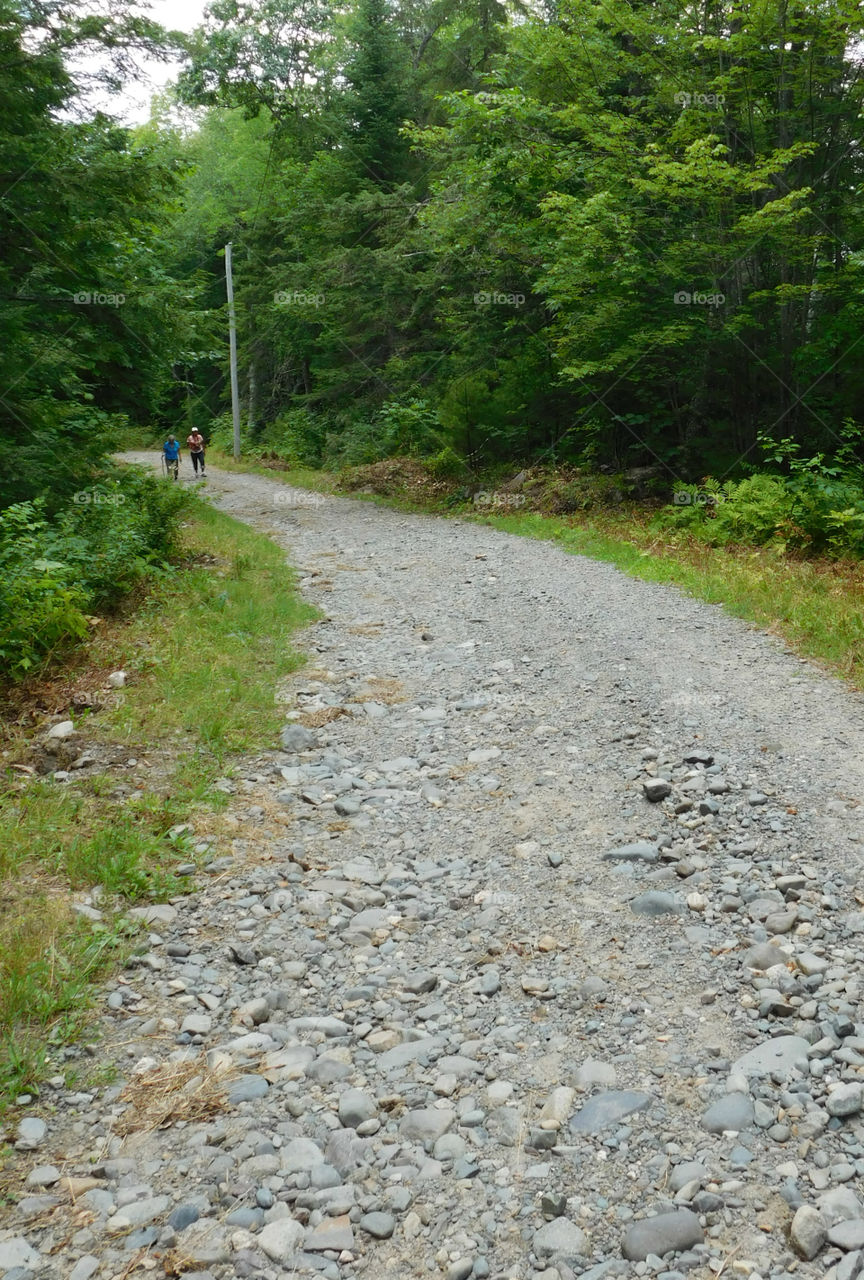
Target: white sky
133,105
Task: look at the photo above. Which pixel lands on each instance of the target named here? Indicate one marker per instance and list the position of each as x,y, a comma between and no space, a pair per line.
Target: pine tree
377,101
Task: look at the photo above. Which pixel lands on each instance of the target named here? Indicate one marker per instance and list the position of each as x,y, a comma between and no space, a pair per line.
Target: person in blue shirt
171,454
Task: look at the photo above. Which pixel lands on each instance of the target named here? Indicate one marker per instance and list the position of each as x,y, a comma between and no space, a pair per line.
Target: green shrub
297,435
826,516
754,510
221,433
54,572
117,532
399,429
447,465
41,606
409,427
808,511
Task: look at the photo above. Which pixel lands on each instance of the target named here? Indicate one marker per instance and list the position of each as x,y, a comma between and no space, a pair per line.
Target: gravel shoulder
537,950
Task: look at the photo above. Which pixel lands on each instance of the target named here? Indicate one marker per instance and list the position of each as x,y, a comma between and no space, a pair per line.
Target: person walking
171,456
195,441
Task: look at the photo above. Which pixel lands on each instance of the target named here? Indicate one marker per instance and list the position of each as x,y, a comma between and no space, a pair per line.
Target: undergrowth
203,656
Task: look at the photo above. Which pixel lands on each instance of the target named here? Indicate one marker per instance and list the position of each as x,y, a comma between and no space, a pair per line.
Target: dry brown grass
323,715
190,1091
365,629
382,689
395,477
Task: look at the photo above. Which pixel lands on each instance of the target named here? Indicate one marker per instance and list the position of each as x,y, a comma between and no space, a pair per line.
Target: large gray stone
839,1205
665,1233
16,1252
332,1233
183,1216
844,1100
450,1146
288,1063
638,851
362,870
654,903
197,1024
378,1225
420,983
246,1089
280,1240
32,1206
593,1071
57,732
296,737
31,1132
143,1238
606,1109
847,1235
605,1270
784,1054
369,920
402,1054
139,1213
560,1238
345,1150
506,1125
205,1243
851,1267
158,913
426,1124
327,1025
686,1172
656,789
300,1155
85,1267
764,956
734,1112
328,1068
355,1106
807,1234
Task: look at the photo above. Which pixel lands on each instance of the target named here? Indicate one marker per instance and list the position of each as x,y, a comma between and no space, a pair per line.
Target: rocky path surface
537,950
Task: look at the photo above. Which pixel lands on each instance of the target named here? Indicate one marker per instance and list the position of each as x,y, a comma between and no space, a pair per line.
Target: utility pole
232,342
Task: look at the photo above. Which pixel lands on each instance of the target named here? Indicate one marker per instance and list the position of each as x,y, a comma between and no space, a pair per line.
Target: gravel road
537,950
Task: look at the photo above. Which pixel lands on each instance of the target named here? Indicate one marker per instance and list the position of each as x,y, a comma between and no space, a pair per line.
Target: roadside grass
210,655
204,653
302,477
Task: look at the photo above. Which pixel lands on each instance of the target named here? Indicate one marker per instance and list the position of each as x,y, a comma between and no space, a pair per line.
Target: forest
605,236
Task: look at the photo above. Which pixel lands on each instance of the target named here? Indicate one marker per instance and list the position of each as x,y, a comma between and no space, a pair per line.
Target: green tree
627,232
85,310
377,101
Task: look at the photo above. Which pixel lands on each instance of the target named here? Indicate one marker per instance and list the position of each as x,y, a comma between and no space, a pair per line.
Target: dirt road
550,963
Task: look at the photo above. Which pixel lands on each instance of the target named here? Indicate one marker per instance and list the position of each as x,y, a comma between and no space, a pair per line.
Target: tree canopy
619,234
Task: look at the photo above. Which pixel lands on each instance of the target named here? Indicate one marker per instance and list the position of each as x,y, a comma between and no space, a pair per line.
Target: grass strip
204,653
302,477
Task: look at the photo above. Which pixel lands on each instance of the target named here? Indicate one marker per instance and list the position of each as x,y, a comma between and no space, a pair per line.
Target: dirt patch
547,490
394,477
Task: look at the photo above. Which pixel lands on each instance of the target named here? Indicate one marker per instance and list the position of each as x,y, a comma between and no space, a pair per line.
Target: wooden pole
232,343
